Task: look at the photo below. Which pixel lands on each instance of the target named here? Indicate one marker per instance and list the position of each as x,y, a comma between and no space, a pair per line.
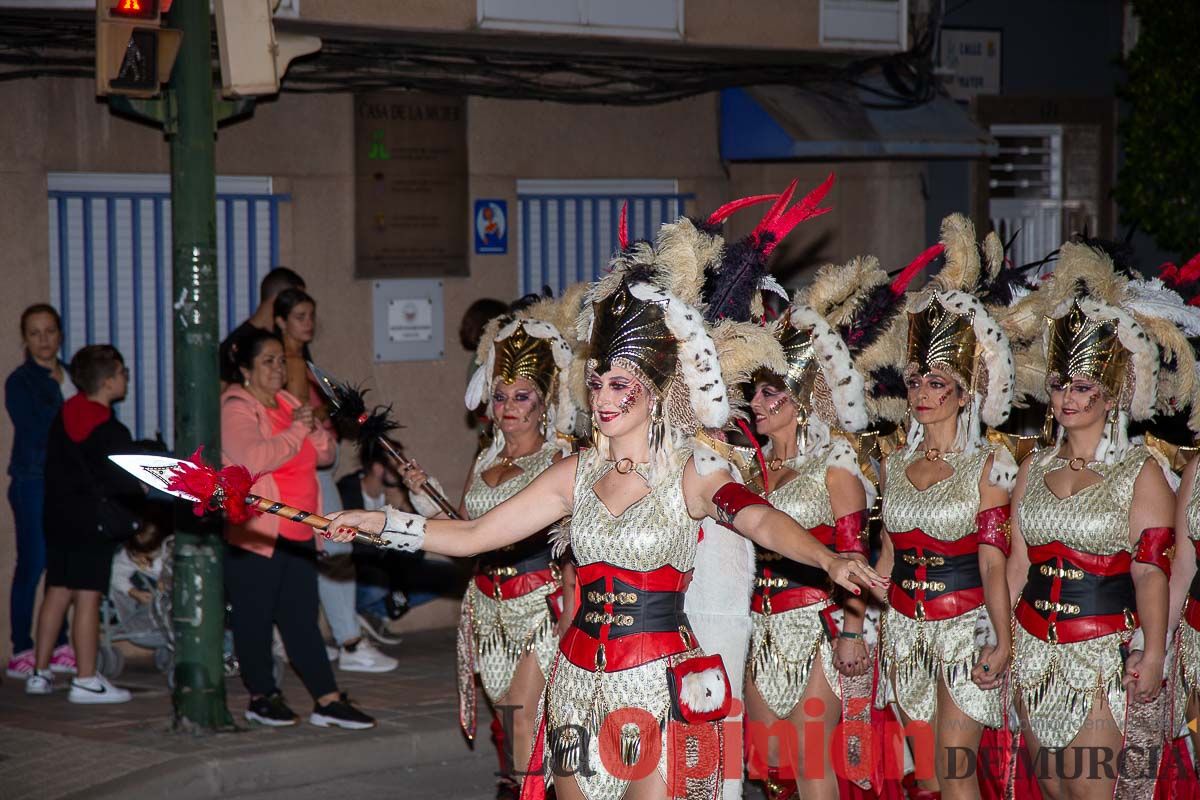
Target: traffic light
253,56
134,53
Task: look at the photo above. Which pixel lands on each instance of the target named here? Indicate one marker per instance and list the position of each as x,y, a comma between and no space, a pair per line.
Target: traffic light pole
199,603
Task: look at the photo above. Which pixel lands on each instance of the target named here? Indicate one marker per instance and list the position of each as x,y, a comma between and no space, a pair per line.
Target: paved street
52,749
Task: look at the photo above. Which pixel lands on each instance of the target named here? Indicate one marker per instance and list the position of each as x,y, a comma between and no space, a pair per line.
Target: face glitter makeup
778,405
630,399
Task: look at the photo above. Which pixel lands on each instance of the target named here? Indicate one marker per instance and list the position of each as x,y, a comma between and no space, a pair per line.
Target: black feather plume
886,381
352,419
729,291
871,319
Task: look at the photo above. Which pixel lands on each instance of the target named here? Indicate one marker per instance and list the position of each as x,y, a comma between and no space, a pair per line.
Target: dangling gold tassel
658,432
801,429
1114,418
1048,427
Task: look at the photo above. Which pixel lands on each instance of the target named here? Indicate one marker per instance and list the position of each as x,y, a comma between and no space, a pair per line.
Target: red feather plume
623,227
904,277
226,489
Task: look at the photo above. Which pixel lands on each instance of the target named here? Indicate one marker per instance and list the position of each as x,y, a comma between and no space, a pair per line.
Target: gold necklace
1077,464
624,466
933,454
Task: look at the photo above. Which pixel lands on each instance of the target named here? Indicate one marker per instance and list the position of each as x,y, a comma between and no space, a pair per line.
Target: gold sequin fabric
481,498
782,651
653,532
1189,638
505,630
947,509
1057,682
915,654
783,646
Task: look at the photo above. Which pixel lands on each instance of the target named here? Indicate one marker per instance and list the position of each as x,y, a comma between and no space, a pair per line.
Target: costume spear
370,427
227,490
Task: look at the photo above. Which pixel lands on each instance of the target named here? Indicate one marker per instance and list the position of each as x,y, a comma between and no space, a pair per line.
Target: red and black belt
506,581
1074,596
781,584
935,579
627,618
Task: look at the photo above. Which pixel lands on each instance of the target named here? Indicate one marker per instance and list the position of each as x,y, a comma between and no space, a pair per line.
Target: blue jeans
27,496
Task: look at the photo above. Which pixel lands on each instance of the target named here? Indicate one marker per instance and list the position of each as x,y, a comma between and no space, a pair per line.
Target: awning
780,123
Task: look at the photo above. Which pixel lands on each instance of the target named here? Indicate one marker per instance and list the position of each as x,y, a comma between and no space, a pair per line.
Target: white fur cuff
421,501
403,532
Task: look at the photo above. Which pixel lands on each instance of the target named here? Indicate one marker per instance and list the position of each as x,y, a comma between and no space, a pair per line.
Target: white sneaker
363,657
40,682
332,653
97,689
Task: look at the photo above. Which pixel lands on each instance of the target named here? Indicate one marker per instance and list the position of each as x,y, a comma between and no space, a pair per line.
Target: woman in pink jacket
270,567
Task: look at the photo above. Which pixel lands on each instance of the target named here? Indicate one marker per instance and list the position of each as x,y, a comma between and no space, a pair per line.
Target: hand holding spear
349,408
228,490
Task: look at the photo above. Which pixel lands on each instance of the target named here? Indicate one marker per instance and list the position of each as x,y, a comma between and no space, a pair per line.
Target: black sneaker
271,710
340,714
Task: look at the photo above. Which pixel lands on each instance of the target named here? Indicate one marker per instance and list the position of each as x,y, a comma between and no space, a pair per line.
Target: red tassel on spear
226,490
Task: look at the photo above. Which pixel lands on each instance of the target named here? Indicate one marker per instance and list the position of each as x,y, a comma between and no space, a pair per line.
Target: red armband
732,498
850,533
992,527
1156,547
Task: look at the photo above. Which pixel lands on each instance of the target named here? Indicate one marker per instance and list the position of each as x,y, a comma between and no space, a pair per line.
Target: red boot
915,792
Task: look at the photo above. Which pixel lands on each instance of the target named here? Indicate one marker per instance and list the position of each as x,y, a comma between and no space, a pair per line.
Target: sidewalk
52,749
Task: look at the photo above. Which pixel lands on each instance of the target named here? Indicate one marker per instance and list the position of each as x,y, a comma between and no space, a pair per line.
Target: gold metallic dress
504,630
1189,636
783,645
653,533
1057,683
916,653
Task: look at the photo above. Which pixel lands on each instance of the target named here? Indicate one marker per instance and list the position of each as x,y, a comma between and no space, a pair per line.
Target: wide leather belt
1073,596
495,562
770,601
627,618
935,579
502,586
627,610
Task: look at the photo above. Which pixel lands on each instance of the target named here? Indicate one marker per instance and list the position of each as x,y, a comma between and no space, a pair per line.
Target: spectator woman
33,395
270,569
296,324
94,503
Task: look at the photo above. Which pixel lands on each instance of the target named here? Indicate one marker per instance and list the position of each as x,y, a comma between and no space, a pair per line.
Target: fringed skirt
504,631
1057,683
914,654
581,744
783,648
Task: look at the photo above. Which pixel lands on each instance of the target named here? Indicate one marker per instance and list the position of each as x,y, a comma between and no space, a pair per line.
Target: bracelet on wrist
849,635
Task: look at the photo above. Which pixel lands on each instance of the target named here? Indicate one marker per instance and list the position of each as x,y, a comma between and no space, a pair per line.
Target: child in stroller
138,607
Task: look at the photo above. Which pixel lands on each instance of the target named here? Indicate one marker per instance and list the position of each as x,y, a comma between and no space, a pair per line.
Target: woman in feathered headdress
812,472
630,680
1091,530
945,496
508,630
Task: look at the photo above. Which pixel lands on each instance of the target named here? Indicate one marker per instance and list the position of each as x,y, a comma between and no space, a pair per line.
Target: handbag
700,690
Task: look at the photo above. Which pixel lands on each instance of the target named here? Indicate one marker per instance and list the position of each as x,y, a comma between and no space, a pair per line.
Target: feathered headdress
676,313
1130,335
951,328
863,305
530,346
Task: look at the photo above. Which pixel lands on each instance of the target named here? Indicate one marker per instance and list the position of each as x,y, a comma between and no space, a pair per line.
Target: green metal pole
199,698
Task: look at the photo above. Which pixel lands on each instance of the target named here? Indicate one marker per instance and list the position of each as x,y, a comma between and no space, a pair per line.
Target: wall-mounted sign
410,185
409,320
491,227
971,57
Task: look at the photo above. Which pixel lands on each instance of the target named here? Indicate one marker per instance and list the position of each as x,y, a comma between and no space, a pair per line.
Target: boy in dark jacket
90,504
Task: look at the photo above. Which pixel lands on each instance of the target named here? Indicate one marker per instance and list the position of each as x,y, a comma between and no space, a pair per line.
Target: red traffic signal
135,9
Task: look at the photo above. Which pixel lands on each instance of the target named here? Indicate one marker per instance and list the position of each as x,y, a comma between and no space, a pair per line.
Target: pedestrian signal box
134,52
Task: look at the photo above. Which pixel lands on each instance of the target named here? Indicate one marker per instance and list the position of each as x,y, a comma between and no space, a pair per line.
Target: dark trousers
280,590
27,496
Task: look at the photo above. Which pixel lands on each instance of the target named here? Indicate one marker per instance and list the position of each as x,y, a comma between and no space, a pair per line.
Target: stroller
146,625
149,625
